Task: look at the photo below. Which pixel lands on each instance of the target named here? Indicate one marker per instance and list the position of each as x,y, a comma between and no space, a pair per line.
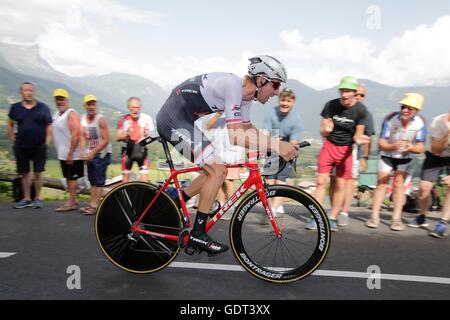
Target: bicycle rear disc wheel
137,252
294,255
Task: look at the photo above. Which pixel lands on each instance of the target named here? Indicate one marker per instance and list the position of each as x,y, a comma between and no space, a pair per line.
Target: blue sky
168,41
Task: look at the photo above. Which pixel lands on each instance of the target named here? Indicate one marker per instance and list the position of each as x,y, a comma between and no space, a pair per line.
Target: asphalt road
41,251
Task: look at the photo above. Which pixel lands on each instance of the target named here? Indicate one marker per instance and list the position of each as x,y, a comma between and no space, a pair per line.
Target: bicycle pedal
189,251
183,238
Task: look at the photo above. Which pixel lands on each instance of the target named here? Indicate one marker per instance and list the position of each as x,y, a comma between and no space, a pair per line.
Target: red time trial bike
141,228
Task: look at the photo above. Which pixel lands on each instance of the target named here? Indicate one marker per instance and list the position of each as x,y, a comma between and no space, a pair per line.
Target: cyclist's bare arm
248,136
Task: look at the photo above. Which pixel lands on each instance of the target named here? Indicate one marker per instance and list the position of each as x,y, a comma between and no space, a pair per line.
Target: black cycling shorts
175,122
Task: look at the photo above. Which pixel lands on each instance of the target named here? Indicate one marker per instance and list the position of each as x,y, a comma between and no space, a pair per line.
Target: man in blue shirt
33,121
285,124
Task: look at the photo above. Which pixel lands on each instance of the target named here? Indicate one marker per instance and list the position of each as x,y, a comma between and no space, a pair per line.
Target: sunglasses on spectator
407,107
362,95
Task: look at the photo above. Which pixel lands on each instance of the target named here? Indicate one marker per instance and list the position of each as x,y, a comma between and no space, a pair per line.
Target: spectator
33,121
437,162
132,128
95,149
360,155
402,135
343,122
286,125
66,136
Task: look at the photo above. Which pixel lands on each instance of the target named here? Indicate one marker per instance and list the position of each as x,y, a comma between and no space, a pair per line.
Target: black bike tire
320,251
107,221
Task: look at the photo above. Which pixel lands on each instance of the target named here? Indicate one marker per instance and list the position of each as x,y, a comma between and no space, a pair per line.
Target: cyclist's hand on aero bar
288,151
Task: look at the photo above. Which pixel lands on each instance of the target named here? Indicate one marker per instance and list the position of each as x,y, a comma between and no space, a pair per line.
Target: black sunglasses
275,84
360,95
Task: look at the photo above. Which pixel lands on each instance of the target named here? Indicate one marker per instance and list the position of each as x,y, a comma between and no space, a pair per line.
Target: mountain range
24,63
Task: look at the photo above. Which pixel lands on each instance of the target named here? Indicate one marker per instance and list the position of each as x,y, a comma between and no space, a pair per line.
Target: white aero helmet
268,66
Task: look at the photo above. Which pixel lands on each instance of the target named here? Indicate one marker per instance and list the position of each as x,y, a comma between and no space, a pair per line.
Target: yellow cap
414,100
89,97
61,93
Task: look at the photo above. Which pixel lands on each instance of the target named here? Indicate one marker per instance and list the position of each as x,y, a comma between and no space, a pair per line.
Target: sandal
88,210
397,226
66,207
372,223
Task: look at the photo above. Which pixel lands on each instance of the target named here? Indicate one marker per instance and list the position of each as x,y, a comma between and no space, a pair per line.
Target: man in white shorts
403,134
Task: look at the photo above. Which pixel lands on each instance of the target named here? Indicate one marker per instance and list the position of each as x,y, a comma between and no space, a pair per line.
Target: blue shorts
283,174
97,170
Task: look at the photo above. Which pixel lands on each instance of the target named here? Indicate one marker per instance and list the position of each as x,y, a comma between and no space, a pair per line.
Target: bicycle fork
265,202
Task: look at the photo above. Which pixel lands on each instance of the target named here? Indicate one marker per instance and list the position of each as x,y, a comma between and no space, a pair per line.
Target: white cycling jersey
223,92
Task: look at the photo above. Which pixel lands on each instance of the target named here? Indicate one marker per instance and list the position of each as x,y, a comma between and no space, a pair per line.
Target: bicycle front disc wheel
293,255
137,252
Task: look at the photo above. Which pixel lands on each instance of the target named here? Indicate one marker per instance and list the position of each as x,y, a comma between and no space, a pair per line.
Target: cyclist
403,134
214,92
132,128
437,162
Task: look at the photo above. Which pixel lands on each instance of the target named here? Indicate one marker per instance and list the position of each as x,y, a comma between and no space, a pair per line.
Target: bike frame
254,179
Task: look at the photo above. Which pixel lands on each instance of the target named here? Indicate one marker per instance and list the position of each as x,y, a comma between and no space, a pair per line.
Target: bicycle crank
183,238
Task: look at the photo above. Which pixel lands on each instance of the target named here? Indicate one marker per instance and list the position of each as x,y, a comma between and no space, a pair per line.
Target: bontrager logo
257,269
250,203
321,225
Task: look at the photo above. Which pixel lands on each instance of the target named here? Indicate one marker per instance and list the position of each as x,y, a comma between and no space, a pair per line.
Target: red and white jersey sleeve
224,92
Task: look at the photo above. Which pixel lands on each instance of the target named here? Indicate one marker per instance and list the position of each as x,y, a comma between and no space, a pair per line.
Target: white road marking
383,276
208,266
7,254
323,273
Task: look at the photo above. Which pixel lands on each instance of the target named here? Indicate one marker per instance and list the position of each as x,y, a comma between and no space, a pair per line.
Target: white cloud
416,57
78,52
69,36
179,68
23,22
68,32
